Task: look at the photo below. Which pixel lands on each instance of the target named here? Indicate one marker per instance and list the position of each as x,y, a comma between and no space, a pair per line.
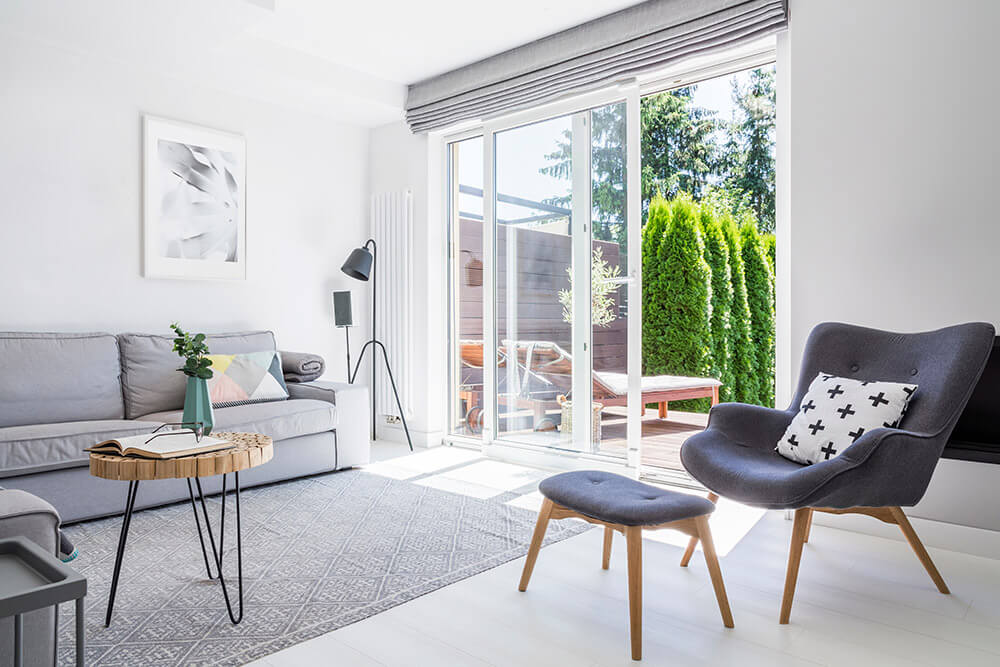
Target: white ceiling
349,59
407,41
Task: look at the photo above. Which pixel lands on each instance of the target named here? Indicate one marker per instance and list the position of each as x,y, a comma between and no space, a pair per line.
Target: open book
167,445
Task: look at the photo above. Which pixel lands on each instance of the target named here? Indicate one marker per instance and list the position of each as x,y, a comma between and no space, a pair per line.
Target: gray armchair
884,470
22,514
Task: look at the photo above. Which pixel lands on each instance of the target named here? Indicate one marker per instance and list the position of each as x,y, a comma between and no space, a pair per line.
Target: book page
165,444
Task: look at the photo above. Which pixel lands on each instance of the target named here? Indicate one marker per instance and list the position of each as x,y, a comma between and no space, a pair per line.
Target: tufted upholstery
735,457
616,499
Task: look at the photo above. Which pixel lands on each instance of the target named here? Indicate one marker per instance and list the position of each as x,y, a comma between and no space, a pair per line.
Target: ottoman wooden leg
608,534
712,560
633,538
536,543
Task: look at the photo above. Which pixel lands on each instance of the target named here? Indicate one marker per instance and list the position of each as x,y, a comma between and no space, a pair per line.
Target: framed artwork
194,201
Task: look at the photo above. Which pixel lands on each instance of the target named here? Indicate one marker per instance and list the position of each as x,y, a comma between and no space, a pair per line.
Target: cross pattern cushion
837,411
252,377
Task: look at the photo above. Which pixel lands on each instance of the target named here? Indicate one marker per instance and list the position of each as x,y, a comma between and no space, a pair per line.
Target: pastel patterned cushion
251,377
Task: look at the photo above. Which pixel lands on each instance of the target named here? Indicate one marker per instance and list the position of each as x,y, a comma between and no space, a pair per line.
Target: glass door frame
491,440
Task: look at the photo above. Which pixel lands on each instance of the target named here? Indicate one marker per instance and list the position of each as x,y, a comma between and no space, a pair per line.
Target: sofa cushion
150,381
49,377
280,420
41,447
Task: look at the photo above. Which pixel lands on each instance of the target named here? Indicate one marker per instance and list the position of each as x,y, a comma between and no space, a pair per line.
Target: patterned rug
318,554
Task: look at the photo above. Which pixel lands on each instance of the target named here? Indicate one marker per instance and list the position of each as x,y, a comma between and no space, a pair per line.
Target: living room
717,223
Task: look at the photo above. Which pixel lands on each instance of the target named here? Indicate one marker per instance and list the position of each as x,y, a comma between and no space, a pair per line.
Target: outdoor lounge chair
545,370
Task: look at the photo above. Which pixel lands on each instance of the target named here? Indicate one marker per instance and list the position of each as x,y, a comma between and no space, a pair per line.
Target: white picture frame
194,201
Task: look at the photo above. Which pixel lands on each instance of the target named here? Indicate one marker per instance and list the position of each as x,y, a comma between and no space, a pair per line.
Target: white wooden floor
861,600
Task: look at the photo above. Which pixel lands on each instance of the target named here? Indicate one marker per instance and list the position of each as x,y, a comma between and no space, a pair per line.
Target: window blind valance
612,48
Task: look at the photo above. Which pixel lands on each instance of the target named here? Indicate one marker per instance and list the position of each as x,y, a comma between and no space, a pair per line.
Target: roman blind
641,38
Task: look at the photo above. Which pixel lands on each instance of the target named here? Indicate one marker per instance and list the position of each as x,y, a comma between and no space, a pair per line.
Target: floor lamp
361,265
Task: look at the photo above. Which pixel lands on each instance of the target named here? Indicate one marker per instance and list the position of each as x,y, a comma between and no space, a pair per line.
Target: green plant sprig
193,351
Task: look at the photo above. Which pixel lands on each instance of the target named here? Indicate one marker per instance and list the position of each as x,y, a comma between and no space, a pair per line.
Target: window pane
465,176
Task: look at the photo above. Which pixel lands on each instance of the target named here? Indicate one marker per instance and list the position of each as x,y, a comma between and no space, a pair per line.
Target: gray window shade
612,48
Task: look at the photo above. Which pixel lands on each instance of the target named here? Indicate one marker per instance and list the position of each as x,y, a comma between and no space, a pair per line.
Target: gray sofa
60,393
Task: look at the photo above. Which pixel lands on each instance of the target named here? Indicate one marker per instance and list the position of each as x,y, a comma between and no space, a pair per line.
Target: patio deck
661,438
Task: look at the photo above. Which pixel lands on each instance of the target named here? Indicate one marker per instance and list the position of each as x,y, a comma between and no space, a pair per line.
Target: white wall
71,206
894,168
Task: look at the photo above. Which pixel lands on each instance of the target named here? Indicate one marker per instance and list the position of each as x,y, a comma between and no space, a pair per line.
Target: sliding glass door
541,353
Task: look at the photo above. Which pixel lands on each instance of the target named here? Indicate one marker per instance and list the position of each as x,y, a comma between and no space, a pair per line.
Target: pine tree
679,154
760,298
607,139
742,360
717,257
751,168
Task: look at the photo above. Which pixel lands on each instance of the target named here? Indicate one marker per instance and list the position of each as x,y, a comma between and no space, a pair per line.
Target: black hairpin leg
197,522
133,488
217,554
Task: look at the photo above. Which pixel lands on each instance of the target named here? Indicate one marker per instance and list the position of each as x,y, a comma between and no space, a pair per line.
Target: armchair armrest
353,446
750,425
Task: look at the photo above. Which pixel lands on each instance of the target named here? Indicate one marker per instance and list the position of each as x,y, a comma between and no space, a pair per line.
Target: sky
521,151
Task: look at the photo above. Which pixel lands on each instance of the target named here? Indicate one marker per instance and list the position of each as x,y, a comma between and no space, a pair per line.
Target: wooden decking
661,438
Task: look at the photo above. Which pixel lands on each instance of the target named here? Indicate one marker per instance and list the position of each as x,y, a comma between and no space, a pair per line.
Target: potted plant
197,402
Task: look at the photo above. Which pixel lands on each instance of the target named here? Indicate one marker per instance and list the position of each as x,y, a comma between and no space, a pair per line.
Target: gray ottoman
622,504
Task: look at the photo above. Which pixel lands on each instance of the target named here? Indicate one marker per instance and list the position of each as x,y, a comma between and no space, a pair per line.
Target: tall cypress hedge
717,258
760,298
742,360
653,304
684,285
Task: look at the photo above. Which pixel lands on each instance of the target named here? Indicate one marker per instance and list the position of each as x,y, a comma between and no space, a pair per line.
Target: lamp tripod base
392,381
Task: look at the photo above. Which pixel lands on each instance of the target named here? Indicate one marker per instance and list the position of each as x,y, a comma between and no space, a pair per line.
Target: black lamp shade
358,264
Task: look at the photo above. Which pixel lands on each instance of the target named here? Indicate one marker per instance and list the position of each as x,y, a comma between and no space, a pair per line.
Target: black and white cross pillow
837,411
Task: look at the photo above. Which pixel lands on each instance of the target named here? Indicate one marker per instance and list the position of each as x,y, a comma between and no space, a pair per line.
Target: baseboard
423,439
954,537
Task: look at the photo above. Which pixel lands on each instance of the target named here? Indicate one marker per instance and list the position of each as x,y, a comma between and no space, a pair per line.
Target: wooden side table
252,449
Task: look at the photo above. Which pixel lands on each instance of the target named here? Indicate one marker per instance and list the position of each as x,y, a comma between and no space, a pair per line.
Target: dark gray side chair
886,469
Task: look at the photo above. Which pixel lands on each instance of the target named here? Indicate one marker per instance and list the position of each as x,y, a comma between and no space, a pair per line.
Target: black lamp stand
375,343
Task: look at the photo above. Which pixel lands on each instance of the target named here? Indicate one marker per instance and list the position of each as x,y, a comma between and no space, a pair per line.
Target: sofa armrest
353,446
29,516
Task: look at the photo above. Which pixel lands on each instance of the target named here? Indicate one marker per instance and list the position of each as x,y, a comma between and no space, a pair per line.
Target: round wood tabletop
252,449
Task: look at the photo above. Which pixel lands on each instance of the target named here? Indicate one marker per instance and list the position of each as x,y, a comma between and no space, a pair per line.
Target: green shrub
653,305
742,360
684,287
717,258
760,298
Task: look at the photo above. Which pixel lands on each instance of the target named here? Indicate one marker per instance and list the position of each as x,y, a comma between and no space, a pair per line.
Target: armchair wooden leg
536,543
799,529
809,525
712,561
633,540
918,548
608,534
693,542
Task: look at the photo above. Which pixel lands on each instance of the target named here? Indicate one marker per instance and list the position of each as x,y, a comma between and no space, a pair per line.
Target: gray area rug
318,554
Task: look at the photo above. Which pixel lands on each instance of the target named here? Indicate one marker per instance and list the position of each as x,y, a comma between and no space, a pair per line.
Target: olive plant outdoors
603,285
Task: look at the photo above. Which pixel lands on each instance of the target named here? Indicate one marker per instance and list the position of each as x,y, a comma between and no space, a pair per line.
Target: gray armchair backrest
946,364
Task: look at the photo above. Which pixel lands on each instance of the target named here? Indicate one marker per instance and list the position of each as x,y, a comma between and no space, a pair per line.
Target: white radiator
392,228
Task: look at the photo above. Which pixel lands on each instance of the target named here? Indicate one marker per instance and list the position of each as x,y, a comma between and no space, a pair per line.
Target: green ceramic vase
198,404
